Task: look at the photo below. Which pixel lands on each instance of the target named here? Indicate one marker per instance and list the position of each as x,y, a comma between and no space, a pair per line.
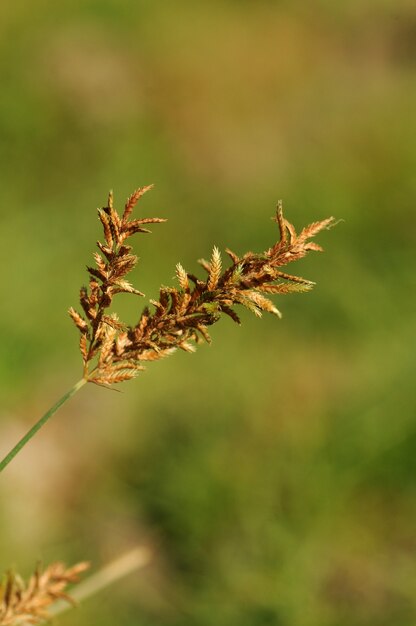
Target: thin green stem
30,433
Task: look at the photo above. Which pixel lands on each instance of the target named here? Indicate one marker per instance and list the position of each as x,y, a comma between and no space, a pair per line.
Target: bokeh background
272,474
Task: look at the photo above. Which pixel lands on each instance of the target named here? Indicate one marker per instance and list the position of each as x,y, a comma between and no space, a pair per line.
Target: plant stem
30,433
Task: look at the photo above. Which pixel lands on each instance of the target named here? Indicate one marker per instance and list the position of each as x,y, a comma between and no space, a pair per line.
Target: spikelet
182,277
237,273
287,287
205,264
132,201
264,304
313,229
215,269
234,258
123,286
105,221
79,322
83,347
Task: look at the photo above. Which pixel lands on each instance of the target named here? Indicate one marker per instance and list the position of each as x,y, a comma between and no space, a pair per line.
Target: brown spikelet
205,264
143,322
295,279
122,265
22,602
96,273
100,262
204,332
187,346
314,228
147,220
231,313
112,320
83,346
110,199
113,352
155,355
108,253
123,286
232,256
237,273
79,321
262,302
132,201
111,376
107,345
281,222
287,287
105,221
248,303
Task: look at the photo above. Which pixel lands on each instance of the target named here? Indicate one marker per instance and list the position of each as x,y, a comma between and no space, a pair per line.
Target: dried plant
28,603
113,352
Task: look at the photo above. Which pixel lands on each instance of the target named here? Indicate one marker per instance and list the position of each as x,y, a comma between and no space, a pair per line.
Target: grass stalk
32,431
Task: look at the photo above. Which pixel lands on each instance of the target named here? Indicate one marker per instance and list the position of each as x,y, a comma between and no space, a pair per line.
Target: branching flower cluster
113,352
28,603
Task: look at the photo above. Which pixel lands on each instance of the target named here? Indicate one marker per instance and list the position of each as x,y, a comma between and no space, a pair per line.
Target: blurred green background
272,474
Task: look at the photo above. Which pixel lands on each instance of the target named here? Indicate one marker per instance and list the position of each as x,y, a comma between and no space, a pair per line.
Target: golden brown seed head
114,352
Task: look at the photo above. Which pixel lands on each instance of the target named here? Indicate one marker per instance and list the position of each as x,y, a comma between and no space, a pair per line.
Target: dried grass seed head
28,603
113,352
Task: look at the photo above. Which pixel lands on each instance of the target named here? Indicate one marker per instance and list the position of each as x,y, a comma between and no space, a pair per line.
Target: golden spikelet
215,269
263,303
105,221
80,323
182,277
113,352
132,201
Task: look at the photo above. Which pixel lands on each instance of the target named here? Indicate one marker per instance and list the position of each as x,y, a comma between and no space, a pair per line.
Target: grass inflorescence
113,352
28,602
